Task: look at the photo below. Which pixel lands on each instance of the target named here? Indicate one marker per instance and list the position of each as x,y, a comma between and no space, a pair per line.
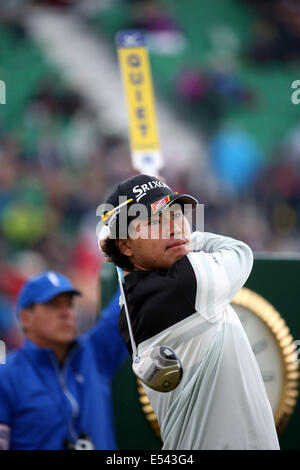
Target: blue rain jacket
45,404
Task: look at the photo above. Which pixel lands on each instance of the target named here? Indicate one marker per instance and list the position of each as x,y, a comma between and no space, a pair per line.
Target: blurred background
230,133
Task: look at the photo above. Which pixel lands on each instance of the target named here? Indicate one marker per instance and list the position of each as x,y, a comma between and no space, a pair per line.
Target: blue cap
42,288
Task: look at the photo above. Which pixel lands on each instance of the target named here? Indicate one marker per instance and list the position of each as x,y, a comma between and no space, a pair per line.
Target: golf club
159,369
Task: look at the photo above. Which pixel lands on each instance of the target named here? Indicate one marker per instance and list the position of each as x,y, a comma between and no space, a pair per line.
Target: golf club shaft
121,280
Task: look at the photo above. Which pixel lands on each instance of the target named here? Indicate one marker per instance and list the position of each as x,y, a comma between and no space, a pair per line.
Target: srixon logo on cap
156,206
141,190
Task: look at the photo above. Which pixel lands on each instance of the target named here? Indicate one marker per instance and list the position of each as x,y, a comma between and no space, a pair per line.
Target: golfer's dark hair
112,251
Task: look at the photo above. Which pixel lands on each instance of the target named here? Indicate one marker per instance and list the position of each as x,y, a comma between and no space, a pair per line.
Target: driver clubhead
160,370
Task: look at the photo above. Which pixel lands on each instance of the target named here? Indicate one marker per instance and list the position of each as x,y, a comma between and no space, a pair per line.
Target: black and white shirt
221,401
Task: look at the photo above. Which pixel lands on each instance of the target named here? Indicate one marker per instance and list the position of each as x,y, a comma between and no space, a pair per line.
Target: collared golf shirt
221,401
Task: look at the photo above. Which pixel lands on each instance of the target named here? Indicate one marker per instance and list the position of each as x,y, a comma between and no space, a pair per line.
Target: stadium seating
215,31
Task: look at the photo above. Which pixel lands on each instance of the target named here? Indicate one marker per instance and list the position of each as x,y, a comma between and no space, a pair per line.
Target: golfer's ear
124,247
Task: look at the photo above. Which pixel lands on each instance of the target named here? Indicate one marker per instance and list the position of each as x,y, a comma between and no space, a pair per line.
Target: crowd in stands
55,171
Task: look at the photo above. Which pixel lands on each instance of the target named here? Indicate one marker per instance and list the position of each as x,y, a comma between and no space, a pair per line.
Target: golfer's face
53,322
157,243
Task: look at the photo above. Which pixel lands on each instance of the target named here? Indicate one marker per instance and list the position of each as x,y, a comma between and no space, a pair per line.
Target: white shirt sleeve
221,266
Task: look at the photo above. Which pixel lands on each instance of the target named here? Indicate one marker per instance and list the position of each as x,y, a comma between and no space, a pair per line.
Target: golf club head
160,370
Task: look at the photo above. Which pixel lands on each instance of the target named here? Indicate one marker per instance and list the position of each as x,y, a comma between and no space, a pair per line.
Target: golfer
178,287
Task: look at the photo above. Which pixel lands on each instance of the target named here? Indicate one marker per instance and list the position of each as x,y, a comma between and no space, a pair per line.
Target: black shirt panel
157,300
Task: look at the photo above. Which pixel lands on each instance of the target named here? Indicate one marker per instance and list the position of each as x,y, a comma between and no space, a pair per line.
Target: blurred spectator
208,93
55,3
11,12
290,147
162,30
150,15
276,31
236,158
278,192
56,369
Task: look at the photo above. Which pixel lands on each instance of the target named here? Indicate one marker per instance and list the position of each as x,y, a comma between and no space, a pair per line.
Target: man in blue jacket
55,392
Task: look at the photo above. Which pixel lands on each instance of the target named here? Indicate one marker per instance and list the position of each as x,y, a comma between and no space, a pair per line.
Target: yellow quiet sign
138,87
